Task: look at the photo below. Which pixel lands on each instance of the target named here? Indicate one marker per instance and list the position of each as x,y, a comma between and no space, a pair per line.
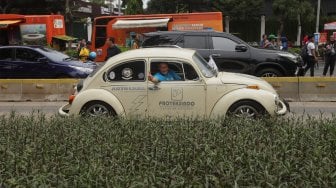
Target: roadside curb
305,89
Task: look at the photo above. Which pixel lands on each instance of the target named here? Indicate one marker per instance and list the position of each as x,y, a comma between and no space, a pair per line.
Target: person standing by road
263,41
272,43
84,52
112,49
80,45
312,58
330,57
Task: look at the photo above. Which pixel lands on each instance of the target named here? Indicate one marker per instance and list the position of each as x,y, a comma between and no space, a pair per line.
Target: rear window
160,40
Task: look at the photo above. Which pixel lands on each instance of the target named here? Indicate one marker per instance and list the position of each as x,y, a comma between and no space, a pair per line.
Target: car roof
184,32
23,46
153,53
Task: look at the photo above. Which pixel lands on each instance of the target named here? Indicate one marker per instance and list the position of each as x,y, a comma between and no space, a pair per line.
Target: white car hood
244,79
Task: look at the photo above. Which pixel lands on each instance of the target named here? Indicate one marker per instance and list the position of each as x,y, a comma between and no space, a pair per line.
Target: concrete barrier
290,88
305,89
287,87
36,89
317,89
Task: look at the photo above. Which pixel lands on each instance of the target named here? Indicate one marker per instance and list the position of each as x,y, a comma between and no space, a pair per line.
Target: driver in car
165,74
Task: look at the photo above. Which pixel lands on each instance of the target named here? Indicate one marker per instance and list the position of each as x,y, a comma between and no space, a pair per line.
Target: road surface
326,109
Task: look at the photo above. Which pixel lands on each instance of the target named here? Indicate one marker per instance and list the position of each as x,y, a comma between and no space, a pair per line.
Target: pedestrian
136,42
330,56
284,43
312,58
84,52
263,41
80,45
271,44
91,58
112,49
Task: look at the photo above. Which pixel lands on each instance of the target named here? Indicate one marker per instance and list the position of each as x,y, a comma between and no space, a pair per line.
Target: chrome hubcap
245,112
269,74
97,110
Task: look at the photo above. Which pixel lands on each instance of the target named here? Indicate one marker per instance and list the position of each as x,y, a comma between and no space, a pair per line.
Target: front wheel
247,109
269,72
97,109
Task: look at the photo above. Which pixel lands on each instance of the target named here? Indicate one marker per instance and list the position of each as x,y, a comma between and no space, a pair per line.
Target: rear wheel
247,109
269,72
97,109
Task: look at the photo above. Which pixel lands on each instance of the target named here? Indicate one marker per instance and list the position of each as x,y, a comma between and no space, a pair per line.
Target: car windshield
205,68
54,55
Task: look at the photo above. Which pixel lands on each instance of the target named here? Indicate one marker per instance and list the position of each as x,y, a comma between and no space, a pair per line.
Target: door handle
215,55
154,88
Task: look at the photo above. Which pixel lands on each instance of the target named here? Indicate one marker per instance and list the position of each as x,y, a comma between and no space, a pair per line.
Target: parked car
230,53
40,62
122,87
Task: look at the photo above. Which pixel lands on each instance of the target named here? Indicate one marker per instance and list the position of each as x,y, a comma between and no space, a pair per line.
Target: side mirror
241,48
43,60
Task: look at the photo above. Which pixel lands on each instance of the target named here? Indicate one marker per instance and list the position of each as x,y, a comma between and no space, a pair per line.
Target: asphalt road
316,109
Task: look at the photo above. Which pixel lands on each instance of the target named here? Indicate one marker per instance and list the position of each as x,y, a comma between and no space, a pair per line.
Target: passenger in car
165,74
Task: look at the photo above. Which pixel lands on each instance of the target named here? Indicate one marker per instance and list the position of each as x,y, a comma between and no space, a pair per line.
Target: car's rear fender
264,98
96,95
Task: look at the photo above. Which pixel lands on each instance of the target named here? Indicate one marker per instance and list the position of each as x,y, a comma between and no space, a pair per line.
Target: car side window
131,71
221,43
195,42
5,54
27,55
190,72
184,71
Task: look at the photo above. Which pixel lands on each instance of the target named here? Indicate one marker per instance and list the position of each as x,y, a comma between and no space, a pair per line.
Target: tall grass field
36,151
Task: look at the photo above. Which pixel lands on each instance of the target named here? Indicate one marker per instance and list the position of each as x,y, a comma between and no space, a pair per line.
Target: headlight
292,57
83,69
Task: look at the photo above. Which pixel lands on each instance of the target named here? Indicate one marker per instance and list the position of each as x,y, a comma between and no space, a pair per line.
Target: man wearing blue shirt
164,75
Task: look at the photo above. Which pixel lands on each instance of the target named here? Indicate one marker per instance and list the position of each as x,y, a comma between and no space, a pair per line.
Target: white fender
265,98
96,95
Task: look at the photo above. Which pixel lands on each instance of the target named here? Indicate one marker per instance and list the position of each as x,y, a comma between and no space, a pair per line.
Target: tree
242,9
178,6
134,7
291,10
5,5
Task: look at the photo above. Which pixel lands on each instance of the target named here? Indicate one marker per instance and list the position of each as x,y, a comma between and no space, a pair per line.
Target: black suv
230,53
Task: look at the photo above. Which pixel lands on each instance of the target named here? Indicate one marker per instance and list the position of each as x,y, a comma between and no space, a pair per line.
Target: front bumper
282,107
64,110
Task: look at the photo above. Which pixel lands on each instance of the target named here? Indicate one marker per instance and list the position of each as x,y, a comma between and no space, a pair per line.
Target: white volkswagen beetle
122,87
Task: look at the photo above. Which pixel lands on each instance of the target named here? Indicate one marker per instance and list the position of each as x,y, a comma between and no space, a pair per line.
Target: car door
127,82
198,42
27,64
227,57
6,60
177,98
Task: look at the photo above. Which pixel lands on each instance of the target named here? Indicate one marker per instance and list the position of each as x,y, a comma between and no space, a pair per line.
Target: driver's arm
153,78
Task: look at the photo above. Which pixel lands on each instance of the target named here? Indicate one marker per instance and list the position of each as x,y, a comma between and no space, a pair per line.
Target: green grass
76,152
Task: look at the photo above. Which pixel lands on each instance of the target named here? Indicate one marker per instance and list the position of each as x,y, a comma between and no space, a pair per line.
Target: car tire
247,109
269,72
97,109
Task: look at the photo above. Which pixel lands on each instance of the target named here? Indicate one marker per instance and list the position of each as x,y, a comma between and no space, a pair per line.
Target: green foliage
134,7
72,53
123,48
290,9
295,50
104,152
178,6
242,9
